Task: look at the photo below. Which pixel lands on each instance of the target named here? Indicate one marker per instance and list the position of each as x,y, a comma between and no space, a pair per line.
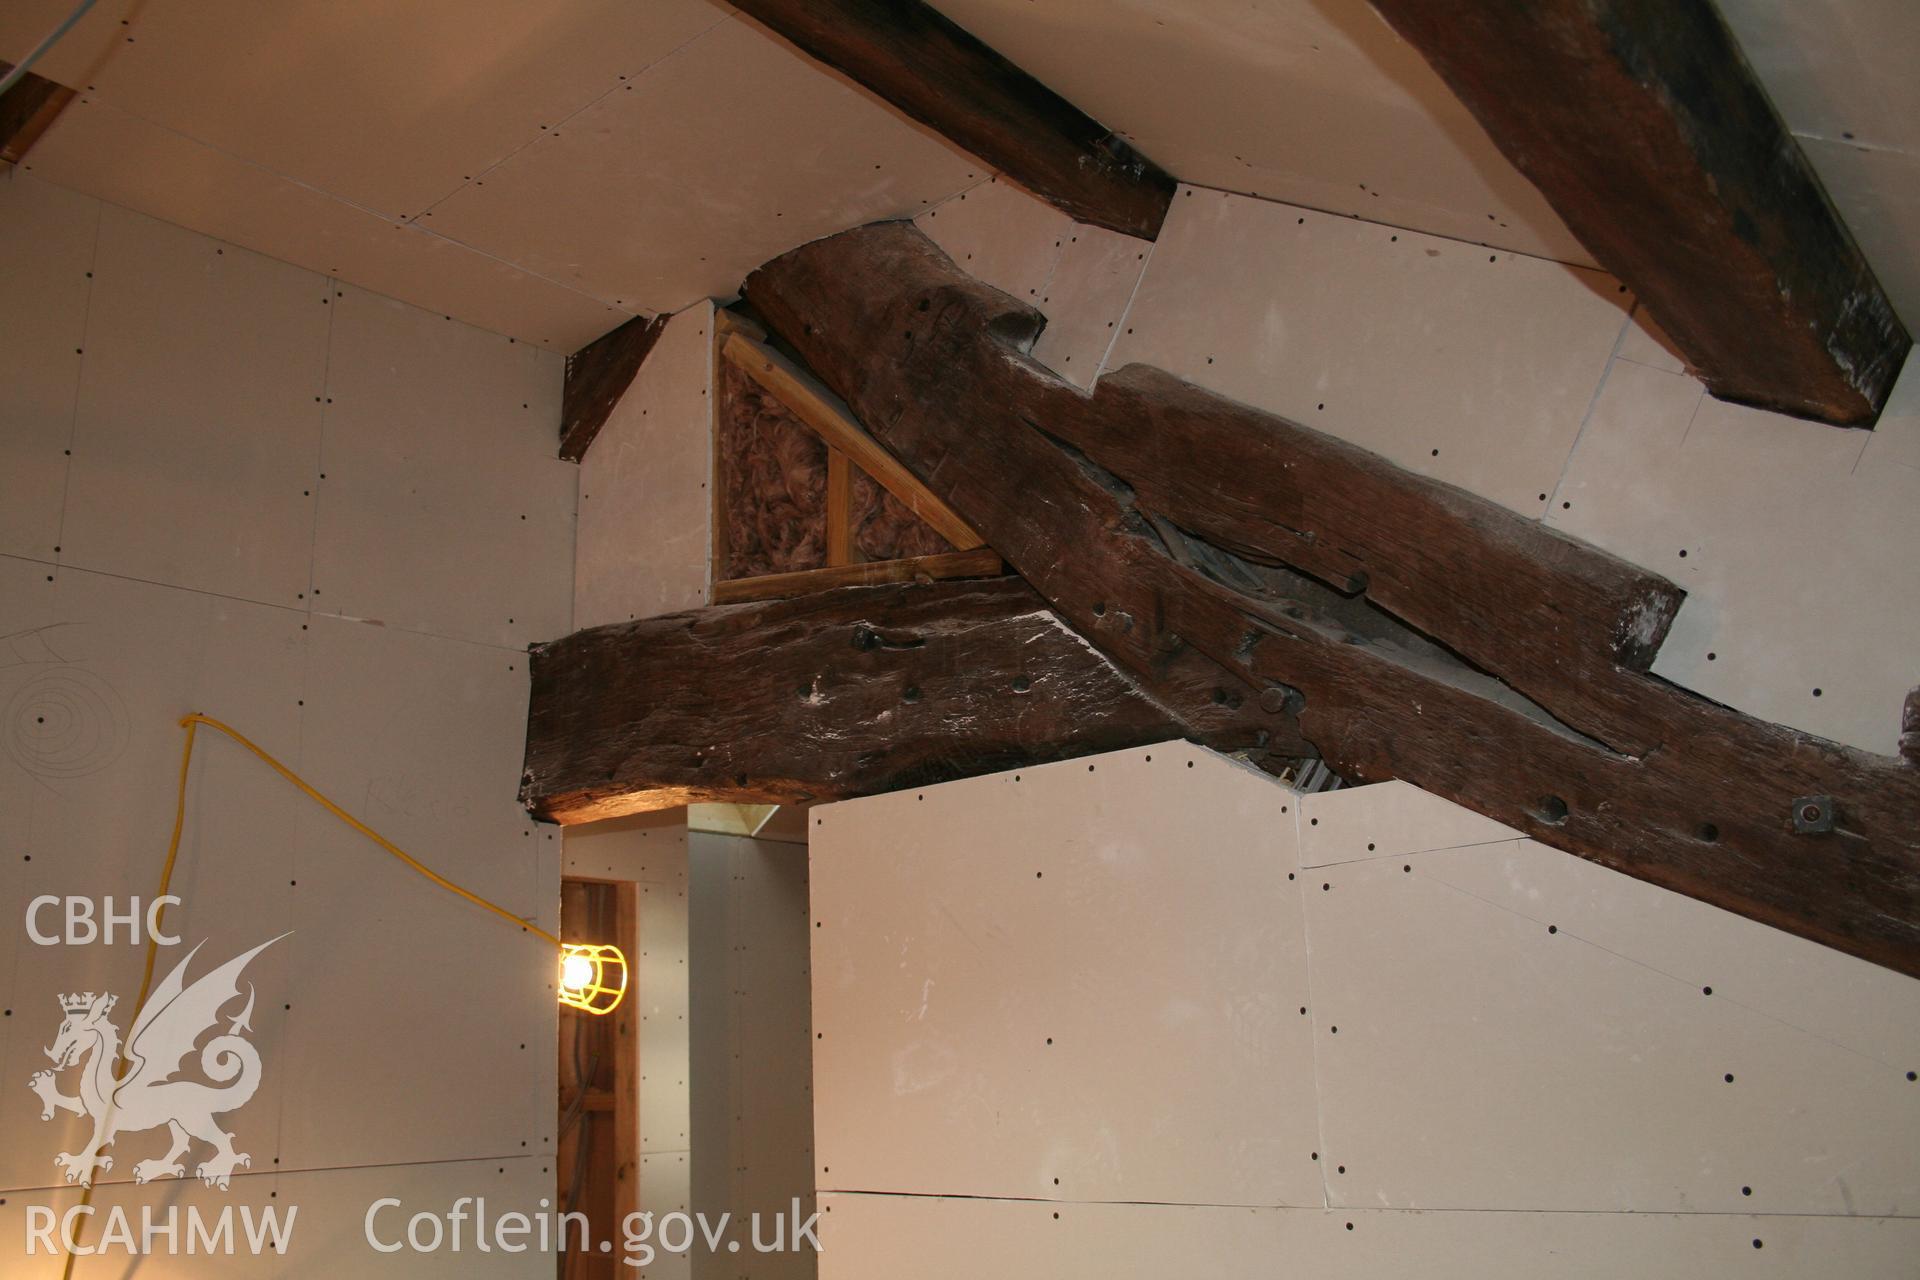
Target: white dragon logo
148,1096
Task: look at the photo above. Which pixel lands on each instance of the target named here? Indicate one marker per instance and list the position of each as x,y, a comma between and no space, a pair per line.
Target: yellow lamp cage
593,976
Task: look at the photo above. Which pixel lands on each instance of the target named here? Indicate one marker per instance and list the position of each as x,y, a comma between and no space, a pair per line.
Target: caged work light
593,976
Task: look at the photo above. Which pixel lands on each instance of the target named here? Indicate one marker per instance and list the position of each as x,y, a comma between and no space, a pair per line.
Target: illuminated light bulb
593,976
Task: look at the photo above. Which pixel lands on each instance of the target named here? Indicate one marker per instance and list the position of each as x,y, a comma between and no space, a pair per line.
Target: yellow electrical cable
191,724
188,722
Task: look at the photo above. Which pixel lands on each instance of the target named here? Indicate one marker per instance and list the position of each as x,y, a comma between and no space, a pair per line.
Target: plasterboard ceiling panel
46,250
1075,982
198,416
1484,1059
1878,193
1466,365
717,159
444,508
78,54
386,106
1314,102
1744,509
108,153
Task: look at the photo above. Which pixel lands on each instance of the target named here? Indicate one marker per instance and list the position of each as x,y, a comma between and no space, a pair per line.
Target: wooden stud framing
827,414
981,562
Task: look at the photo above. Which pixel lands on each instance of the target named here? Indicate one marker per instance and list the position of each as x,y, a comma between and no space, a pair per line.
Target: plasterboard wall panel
875,1237
1644,342
26,602
1896,437
107,153
1087,298
711,1038
1354,824
251,1195
199,415
1472,367
635,176
417,736
334,1204
962,928
999,234
1315,102
448,88
1734,504
1859,1006
868,1237
95,670
665,1180
1481,1060
1836,68
624,849
1081,277
646,522
1878,193
664,1031
774,1035
46,256
752,1038
647,848
94,749
443,507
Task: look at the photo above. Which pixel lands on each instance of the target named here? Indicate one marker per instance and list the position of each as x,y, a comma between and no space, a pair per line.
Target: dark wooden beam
841,693
908,54
598,374
27,110
1564,623
1709,803
1646,129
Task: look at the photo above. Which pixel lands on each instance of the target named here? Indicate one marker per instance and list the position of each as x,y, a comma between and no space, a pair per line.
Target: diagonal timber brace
1504,669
